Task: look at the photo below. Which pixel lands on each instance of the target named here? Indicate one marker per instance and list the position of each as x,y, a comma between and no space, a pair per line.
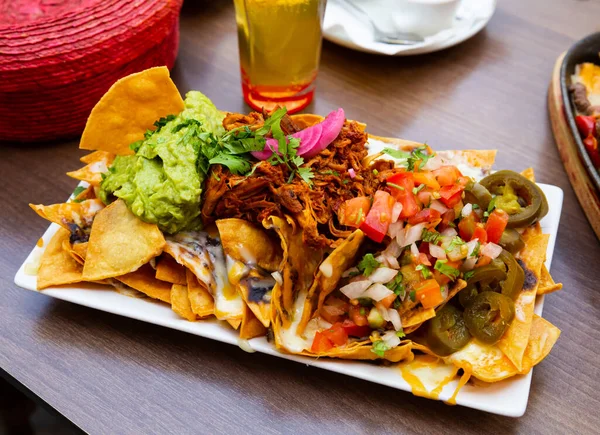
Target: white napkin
341,23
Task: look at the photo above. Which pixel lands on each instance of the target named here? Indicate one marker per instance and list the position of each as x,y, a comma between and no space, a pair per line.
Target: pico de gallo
433,232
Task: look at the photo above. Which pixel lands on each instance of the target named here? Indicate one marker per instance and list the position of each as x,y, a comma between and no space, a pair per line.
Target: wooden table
115,375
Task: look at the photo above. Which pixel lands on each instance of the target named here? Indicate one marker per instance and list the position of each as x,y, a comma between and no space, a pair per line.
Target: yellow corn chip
92,172
515,339
234,323
120,243
69,214
57,267
169,270
486,362
180,303
78,253
143,280
547,284
541,340
201,301
128,109
96,156
251,327
529,174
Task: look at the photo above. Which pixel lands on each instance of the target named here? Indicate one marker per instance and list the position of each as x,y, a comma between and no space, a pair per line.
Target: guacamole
162,183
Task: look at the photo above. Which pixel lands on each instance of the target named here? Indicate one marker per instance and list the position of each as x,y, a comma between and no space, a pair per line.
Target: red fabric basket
58,58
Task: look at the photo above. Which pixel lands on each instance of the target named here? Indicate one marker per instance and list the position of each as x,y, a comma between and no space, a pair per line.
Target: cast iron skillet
585,50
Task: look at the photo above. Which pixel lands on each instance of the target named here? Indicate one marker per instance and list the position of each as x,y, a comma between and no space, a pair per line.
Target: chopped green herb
430,236
449,271
456,242
330,172
400,333
362,311
395,186
413,295
418,189
397,303
476,250
359,216
424,271
365,302
396,285
368,264
77,192
475,206
345,181
397,154
469,274
375,172
492,205
307,175
379,348
418,155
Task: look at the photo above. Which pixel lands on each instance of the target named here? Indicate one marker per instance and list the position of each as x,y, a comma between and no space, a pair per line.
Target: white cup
423,17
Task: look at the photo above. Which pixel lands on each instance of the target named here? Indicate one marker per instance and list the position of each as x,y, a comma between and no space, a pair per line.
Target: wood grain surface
109,374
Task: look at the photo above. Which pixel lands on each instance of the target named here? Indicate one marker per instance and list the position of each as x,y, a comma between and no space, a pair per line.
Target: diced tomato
447,175
496,224
353,212
462,181
388,300
401,187
379,218
429,293
321,343
424,259
426,215
591,145
427,178
480,233
356,317
332,313
484,260
586,125
451,195
466,227
440,277
336,334
354,330
447,219
425,197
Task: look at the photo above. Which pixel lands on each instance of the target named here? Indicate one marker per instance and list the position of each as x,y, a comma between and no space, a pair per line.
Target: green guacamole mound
161,183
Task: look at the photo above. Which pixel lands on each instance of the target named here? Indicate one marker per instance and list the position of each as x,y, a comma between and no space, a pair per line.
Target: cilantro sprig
368,264
379,348
449,271
418,156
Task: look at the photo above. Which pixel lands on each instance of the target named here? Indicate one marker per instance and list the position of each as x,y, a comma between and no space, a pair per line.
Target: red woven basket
58,58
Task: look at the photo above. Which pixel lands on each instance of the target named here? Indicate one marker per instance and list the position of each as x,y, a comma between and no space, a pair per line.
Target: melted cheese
289,337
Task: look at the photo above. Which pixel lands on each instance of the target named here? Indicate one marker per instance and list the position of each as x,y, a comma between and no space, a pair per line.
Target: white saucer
348,30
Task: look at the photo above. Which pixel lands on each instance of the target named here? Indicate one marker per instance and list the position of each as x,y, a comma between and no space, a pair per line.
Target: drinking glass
280,48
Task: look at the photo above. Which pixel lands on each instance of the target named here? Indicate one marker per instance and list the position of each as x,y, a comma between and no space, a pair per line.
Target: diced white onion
444,291
392,250
491,250
395,319
458,253
414,250
383,311
413,234
383,275
356,289
326,269
438,206
449,232
323,324
472,245
391,262
467,210
277,277
376,292
395,228
401,238
396,210
391,339
437,251
434,163
469,263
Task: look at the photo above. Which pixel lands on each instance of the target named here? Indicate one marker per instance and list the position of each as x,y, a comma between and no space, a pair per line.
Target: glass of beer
280,47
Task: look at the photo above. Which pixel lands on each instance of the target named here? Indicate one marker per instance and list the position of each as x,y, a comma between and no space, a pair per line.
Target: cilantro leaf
424,271
418,155
400,333
430,236
236,164
379,348
397,154
396,286
163,121
78,191
307,175
413,295
476,250
456,242
368,264
417,189
449,271
468,275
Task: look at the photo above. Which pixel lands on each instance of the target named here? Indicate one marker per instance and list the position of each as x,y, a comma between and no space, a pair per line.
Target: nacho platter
227,226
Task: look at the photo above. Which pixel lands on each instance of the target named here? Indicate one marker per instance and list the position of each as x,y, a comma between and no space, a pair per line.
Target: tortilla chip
486,362
416,317
128,109
256,290
57,267
77,251
201,301
92,172
547,284
169,270
120,243
69,214
249,244
180,302
96,156
515,339
88,193
251,327
362,351
143,280
529,174
234,323
542,338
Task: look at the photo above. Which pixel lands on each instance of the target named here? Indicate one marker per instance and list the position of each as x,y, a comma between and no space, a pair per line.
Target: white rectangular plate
507,397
